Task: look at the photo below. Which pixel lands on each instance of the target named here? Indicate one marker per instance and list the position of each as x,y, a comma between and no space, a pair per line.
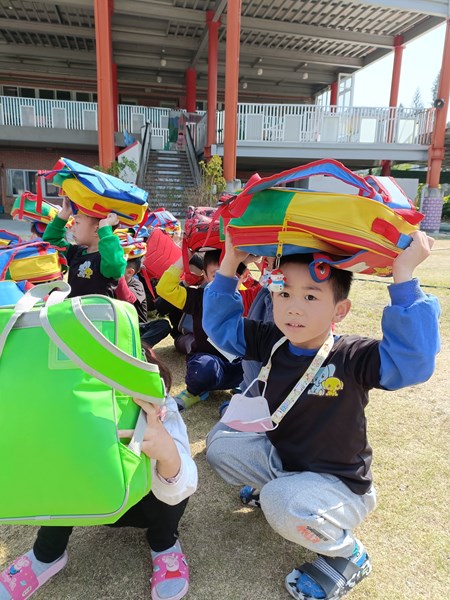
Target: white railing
258,123
60,114
269,123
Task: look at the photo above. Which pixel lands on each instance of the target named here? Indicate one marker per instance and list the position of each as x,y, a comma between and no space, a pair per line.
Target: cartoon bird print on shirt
85,271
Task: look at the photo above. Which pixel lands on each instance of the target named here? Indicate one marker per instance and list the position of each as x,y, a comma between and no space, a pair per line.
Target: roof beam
438,8
315,32
47,28
197,17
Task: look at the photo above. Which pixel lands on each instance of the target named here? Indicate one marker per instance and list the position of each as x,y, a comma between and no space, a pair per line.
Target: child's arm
174,473
222,304
123,292
56,230
169,287
411,324
112,259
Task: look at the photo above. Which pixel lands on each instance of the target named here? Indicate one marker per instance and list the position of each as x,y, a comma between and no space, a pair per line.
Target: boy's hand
66,211
405,263
232,258
112,219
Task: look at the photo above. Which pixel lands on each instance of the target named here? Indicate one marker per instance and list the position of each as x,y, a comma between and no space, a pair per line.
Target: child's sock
39,568
307,585
170,587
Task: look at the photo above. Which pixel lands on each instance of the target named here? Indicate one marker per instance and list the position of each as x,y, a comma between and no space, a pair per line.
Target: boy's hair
212,257
341,281
135,263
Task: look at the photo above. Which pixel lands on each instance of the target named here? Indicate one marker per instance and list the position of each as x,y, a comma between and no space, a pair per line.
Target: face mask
246,413
252,414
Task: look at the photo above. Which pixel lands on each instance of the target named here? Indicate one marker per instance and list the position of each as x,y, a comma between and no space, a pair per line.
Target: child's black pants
160,519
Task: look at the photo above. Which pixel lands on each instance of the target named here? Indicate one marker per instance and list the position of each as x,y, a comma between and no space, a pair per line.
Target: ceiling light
260,71
163,62
158,79
305,75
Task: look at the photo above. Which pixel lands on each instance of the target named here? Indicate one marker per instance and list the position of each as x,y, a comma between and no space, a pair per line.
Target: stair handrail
144,155
192,157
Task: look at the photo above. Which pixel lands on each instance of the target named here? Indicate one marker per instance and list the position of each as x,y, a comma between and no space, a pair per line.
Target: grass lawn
233,553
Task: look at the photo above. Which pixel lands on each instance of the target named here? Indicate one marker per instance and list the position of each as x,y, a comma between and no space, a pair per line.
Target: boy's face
211,271
85,229
129,274
305,310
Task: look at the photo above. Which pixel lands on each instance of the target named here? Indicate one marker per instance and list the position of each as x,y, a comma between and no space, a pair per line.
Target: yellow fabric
129,214
170,289
35,269
343,213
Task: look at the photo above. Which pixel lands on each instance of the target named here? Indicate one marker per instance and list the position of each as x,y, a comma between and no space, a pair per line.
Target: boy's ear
341,310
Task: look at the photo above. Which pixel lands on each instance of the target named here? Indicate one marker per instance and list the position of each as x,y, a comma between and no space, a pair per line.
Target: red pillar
191,90
103,12
393,98
231,88
213,52
437,149
334,93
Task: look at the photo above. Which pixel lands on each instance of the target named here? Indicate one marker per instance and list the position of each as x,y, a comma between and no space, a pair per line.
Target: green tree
417,101
116,168
435,88
212,175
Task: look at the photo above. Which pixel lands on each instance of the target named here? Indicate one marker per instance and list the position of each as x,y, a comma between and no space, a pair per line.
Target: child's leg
30,571
320,513
242,458
51,543
170,580
206,372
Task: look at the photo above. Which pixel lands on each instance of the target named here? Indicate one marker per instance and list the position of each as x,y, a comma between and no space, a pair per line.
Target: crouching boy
310,458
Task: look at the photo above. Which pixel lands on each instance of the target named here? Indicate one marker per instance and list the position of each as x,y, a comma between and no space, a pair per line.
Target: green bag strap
36,294
89,349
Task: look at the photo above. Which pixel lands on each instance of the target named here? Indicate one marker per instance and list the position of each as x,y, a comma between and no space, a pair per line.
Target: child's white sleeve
186,481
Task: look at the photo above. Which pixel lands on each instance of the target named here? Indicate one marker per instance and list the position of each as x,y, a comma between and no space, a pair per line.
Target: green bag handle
36,294
90,350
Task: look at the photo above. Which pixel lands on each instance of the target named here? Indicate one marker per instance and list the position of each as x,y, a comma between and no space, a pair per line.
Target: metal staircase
169,182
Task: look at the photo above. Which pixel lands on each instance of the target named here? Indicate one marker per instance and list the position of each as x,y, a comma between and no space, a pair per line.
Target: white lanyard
303,382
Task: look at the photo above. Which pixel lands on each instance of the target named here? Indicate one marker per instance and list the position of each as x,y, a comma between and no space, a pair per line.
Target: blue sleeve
222,314
410,336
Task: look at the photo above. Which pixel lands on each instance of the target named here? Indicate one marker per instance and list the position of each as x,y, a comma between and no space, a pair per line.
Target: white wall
132,152
322,183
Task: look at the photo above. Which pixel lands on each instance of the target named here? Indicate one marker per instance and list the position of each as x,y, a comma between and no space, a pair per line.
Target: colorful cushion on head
133,247
27,208
96,193
362,233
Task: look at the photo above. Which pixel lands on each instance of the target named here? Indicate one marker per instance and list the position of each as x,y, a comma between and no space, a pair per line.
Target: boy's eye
310,297
284,295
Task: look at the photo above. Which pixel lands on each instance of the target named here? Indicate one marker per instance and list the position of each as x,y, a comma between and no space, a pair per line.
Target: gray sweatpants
314,510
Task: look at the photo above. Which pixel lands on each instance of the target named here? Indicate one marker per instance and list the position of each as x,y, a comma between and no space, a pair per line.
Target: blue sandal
348,574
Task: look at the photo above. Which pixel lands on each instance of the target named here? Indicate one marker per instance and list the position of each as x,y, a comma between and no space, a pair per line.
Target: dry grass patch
233,553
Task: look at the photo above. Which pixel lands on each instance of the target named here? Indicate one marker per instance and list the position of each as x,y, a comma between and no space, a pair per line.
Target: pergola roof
45,41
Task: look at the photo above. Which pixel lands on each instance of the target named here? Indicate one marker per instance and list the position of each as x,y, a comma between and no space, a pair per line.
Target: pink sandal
21,581
172,565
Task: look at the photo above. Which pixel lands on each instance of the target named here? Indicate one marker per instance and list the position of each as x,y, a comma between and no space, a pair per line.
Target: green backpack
68,372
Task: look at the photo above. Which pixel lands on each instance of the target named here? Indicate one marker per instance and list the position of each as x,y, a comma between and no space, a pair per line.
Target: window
82,97
21,180
63,95
10,91
47,94
27,93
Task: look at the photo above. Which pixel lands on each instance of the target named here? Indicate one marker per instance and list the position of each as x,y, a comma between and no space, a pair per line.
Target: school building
265,84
